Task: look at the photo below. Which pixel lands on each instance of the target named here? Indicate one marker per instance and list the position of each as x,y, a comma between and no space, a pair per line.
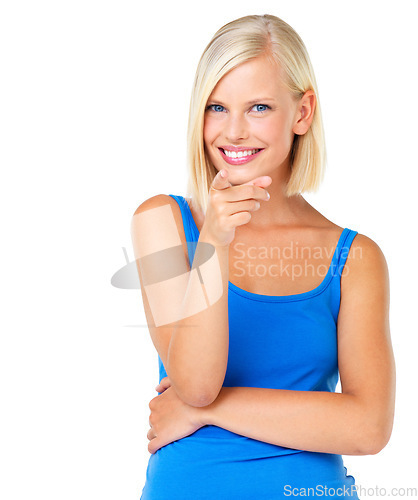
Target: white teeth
240,154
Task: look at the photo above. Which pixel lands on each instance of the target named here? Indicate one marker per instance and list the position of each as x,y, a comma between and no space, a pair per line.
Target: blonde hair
236,42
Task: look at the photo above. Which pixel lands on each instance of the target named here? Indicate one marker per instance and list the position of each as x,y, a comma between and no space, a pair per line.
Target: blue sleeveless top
277,342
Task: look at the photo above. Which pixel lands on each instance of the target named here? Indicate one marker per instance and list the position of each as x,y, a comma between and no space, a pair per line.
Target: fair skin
231,121
357,421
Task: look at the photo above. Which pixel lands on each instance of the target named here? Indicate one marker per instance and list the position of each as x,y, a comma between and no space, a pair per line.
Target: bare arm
355,422
188,322
198,352
187,309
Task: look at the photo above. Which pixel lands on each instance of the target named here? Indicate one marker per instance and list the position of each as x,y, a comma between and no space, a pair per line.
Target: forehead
258,76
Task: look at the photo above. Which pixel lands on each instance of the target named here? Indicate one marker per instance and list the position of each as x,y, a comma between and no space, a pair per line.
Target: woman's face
250,109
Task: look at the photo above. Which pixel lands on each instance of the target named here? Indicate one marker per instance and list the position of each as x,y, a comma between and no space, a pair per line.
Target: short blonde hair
236,42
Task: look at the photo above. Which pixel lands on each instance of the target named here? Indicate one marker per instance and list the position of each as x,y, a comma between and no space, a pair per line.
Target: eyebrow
254,101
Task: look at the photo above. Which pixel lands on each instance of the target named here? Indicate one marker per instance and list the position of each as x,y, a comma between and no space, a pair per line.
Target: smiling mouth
240,154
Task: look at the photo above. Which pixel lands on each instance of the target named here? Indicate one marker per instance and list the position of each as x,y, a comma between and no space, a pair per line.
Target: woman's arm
312,421
357,421
190,334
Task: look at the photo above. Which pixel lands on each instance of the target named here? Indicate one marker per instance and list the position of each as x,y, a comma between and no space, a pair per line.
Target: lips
243,159
237,148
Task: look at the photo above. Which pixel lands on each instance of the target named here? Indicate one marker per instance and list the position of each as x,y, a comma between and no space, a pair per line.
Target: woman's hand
231,206
171,418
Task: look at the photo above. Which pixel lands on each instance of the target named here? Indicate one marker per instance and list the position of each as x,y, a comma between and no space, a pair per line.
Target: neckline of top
258,297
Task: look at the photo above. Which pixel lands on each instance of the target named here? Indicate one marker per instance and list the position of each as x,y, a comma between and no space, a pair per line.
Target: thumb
164,384
221,180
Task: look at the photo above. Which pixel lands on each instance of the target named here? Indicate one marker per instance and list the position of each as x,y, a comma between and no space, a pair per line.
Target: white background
94,103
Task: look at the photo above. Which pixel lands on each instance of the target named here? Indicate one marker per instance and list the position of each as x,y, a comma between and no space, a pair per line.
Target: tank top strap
339,260
190,229
343,249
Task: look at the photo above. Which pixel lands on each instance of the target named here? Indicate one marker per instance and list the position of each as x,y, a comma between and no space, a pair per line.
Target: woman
255,301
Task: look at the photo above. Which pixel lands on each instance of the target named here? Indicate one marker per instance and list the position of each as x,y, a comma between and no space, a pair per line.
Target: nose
236,128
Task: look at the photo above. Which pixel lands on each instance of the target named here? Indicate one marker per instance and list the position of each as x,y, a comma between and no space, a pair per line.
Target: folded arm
357,421
312,421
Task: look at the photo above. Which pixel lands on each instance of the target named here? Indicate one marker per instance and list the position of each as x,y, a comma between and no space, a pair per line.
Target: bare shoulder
159,222
365,255
159,201
365,276
156,201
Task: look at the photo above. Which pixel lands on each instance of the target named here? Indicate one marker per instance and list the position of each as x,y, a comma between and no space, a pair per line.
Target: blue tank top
276,342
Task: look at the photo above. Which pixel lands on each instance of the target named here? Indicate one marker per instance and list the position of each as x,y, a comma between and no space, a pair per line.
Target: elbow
375,439
373,445
196,398
196,390
201,399
197,394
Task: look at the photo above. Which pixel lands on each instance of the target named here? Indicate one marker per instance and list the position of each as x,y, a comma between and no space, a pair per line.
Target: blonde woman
255,301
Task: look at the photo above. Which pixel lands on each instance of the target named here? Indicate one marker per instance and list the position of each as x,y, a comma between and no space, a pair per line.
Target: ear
305,112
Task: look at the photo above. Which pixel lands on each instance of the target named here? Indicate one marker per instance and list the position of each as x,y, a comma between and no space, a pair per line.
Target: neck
279,210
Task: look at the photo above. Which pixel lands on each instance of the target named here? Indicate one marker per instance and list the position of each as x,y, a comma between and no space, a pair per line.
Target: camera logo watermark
173,290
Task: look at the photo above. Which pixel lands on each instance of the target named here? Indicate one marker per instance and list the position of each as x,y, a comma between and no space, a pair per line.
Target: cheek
209,136
209,131
274,132
269,131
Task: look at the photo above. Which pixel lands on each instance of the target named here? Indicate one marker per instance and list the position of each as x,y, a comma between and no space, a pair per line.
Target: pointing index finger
220,181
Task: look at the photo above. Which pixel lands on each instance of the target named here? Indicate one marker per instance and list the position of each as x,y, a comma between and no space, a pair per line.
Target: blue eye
262,105
215,107
218,108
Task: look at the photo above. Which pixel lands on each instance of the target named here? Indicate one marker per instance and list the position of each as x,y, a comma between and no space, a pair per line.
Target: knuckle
220,217
214,194
218,207
225,224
